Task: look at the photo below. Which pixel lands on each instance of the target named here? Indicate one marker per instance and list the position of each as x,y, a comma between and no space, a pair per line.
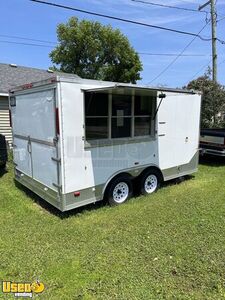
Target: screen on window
118,116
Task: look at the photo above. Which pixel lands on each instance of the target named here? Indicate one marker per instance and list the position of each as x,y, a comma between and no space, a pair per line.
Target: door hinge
55,140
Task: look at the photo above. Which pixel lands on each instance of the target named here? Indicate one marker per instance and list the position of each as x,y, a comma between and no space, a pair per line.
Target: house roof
12,75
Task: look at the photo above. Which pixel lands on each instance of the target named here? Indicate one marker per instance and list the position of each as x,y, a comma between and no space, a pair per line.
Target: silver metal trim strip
113,85
117,141
27,138
33,85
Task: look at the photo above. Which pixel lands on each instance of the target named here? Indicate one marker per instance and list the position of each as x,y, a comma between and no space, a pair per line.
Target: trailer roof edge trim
142,89
111,85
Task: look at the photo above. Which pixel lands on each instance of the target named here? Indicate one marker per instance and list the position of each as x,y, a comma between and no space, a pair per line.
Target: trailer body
71,137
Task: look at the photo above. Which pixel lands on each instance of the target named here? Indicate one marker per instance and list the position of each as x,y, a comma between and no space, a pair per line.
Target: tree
213,100
94,51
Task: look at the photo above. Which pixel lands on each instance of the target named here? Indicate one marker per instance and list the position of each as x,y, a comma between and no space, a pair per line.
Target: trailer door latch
59,187
58,160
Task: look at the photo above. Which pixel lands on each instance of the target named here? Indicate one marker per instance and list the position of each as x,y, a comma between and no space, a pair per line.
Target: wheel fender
153,168
113,177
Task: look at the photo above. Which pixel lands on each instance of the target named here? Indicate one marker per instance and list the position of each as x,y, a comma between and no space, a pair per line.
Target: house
11,76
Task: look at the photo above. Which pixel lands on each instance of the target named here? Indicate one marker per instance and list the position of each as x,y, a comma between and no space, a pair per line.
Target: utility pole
214,50
214,39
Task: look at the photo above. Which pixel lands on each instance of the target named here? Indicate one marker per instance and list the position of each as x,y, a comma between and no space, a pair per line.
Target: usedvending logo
22,289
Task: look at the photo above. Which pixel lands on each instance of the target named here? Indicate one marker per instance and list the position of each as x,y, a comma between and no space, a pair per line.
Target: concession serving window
119,112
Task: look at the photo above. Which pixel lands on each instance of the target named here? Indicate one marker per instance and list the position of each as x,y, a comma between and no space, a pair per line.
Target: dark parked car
3,151
212,141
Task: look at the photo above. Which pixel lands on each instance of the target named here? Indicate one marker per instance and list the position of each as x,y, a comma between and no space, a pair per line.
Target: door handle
29,145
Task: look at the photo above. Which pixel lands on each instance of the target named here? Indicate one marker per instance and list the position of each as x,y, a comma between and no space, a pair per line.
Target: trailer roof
103,86
107,85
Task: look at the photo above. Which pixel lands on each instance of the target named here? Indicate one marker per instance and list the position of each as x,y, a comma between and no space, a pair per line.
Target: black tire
153,183
123,185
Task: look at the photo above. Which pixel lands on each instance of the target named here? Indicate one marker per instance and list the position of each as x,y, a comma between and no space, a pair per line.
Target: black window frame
132,117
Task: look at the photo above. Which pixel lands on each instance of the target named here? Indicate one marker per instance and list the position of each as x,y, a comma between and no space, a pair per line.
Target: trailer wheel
150,182
119,190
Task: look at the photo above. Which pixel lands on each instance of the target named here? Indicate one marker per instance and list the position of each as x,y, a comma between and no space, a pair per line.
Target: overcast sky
35,21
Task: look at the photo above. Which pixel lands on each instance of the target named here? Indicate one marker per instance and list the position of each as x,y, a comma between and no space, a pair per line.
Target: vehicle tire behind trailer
150,182
119,190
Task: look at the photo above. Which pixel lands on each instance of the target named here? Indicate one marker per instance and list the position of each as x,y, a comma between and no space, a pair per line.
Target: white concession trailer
79,141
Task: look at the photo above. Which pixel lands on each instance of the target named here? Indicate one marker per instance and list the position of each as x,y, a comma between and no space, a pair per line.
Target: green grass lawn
170,245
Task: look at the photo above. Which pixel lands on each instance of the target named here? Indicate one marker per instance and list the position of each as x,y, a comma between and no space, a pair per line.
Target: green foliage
170,245
213,100
94,51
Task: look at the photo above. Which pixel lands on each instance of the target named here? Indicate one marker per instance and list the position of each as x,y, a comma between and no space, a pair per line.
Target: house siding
5,128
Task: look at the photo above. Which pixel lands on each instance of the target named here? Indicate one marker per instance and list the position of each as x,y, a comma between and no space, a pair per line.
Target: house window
113,116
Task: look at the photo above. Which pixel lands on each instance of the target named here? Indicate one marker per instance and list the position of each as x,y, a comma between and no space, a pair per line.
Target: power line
170,6
55,43
140,53
202,68
26,44
221,19
25,38
221,41
172,54
177,7
178,56
187,2
121,19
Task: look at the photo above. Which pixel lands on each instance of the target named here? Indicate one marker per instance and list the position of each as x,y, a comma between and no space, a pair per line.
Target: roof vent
50,71
13,65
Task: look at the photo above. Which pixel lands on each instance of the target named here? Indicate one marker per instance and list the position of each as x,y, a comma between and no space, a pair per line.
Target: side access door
178,129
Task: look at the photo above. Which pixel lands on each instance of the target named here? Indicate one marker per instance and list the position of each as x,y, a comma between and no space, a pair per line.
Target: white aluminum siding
5,128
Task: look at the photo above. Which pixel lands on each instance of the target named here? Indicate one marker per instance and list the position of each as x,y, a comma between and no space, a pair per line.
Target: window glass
96,128
96,104
121,105
142,126
127,119
143,105
121,127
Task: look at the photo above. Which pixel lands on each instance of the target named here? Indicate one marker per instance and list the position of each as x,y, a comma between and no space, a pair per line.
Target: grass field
170,245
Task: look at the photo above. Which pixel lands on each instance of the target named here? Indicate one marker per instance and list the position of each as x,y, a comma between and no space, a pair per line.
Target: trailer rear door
34,133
